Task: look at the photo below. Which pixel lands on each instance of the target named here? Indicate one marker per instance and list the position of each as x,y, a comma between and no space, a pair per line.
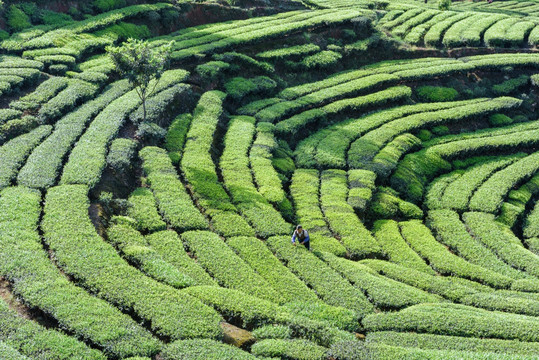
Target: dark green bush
107,5
32,10
444,4
499,120
440,130
17,20
54,18
511,85
436,93
150,133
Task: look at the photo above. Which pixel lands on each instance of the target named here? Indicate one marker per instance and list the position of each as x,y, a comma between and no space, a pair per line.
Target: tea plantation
403,135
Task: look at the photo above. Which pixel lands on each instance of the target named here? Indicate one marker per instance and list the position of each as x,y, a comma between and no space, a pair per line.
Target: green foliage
239,61
17,20
124,31
43,166
272,332
361,183
67,99
169,245
137,250
239,87
453,233
203,349
304,190
34,340
436,93
384,293
14,152
439,342
121,155
197,163
387,205
322,60
238,180
260,258
253,311
55,18
176,136
227,267
499,120
144,210
339,317
27,265
490,195
43,93
289,349
107,5
348,350
341,217
497,238
329,285
388,235
510,86
9,114
69,230
174,203
140,63
150,133
8,352
444,4
439,319
295,51
421,240
212,70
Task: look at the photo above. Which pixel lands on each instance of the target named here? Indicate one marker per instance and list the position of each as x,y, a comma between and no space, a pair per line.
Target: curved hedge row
26,264
69,232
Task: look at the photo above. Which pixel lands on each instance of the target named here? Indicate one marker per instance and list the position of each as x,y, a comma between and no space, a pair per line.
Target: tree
140,63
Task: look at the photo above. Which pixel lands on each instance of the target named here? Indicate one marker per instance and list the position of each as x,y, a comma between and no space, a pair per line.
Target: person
302,236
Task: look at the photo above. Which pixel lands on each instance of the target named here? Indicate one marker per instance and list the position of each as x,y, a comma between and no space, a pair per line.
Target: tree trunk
144,108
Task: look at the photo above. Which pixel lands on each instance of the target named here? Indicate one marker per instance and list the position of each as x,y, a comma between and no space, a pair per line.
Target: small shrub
511,85
440,130
499,120
107,5
436,93
424,135
444,4
150,133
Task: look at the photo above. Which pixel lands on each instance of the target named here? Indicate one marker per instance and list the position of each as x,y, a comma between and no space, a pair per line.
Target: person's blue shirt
303,236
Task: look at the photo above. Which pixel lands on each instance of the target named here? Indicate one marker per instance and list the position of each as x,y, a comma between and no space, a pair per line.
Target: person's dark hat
299,227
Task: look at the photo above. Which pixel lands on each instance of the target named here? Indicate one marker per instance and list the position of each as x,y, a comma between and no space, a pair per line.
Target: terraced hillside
404,138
